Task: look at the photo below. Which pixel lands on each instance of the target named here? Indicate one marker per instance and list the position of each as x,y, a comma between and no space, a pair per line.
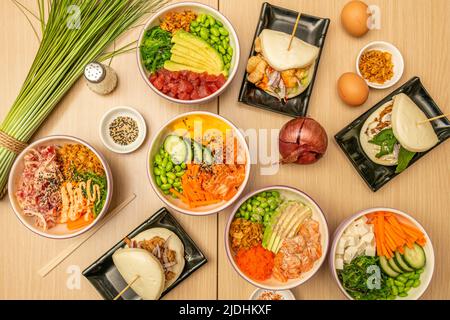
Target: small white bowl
286,294
425,279
60,231
317,214
109,117
397,60
197,8
177,204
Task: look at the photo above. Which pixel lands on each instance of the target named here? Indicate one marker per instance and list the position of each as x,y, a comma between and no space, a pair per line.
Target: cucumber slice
394,265
415,256
387,269
401,263
198,152
207,156
189,154
176,148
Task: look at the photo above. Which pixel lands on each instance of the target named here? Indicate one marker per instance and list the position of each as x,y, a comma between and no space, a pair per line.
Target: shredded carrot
392,235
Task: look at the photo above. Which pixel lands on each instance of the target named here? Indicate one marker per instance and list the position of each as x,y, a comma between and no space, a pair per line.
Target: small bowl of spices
122,129
380,64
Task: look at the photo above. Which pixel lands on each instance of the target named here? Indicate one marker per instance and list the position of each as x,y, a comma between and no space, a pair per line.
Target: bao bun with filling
136,259
403,116
280,72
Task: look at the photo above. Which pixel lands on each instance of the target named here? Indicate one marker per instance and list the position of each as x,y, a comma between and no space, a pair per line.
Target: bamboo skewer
434,118
293,31
127,287
52,264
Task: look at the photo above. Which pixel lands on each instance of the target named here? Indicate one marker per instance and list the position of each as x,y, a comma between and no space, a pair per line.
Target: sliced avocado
193,63
197,55
288,214
173,66
196,43
268,232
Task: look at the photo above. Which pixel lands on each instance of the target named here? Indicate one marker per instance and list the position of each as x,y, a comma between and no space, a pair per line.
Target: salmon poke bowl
198,163
382,254
188,53
60,187
277,238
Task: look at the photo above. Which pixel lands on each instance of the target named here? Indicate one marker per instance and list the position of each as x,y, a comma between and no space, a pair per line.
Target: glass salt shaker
100,78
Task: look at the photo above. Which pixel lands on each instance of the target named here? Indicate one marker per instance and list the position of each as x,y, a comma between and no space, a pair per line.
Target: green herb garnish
404,157
386,140
155,48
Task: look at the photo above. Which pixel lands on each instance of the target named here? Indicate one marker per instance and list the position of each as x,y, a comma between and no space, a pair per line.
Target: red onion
302,140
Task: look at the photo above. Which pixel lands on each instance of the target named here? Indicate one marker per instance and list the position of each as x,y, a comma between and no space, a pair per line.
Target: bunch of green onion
73,33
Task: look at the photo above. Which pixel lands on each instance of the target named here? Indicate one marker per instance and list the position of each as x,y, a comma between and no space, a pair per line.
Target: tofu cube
370,251
350,253
368,238
339,264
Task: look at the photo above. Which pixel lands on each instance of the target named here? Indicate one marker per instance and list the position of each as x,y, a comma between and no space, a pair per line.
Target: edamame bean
420,271
162,170
416,283
163,179
407,289
211,20
166,192
264,205
276,194
171,175
399,283
249,207
158,181
391,297
214,38
230,51
402,279
246,215
169,166
177,168
194,24
166,186
409,283
161,151
204,33
220,24
164,162
402,294
158,159
215,32
180,174
183,165
170,181
394,290
177,184
156,171
223,31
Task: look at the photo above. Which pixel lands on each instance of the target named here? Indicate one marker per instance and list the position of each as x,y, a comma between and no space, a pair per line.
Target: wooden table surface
418,28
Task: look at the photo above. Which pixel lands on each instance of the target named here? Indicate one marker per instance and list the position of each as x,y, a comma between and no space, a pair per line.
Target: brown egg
352,89
354,17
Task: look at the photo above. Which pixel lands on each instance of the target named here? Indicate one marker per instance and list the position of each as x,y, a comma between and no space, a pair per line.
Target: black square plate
106,278
310,29
376,175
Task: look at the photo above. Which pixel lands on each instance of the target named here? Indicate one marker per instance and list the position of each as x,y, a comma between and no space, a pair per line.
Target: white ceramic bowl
109,117
60,231
286,294
196,8
414,293
397,60
177,204
318,215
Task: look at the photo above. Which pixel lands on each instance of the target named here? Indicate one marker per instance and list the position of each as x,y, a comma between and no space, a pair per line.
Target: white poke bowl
317,214
196,8
414,293
60,231
177,204
397,61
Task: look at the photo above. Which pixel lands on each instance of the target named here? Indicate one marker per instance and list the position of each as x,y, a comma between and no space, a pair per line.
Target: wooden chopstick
52,264
127,287
293,31
434,118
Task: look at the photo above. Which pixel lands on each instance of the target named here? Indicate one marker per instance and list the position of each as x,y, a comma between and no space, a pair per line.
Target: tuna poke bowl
276,238
60,187
382,254
188,53
198,163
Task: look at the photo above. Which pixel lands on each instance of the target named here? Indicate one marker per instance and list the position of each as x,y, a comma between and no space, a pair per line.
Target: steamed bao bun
132,262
